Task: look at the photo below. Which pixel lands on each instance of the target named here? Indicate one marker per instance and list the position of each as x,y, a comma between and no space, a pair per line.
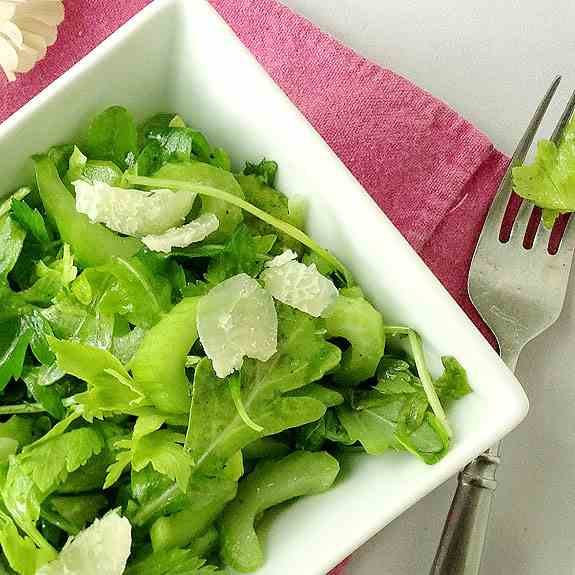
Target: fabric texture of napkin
431,171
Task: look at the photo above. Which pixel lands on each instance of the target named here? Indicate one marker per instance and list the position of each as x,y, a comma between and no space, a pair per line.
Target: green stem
422,371
286,228
23,408
235,385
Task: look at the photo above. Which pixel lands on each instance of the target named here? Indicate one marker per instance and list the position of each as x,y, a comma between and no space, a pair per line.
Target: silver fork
519,293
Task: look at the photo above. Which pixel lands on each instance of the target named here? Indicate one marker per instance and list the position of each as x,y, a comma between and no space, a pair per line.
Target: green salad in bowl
177,356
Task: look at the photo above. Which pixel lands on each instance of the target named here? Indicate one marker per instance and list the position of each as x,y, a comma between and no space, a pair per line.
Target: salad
177,356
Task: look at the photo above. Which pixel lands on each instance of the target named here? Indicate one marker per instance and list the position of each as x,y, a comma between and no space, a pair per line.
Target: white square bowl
178,55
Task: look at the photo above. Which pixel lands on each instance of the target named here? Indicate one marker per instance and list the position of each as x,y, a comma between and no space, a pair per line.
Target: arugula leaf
46,395
176,143
15,337
399,421
102,171
11,241
31,220
112,136
21,552
17,428
153,124
314,435
265,171
217,431
258,191
78,510
240,255
146,286
36,472
172,562
453,383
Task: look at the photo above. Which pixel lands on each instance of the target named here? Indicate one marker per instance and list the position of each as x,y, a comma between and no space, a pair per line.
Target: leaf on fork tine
499,205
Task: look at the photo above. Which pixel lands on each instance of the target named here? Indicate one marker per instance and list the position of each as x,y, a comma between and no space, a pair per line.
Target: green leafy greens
115,428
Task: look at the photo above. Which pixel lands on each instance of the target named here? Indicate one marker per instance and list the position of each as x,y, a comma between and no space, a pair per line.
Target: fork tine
521,222
567,245
564,120
497,209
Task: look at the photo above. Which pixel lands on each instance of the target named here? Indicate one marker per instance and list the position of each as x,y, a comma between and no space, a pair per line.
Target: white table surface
491,61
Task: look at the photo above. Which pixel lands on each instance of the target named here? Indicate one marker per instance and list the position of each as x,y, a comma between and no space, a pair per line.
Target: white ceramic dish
178,55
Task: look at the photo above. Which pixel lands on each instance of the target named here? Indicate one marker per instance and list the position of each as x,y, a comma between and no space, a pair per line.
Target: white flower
27,28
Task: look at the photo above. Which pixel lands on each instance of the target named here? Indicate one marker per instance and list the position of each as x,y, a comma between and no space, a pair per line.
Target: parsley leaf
21,552
160,448
110,387
549,182
172,562
36,472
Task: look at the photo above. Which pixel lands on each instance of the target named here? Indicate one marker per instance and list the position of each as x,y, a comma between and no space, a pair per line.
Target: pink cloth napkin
430,171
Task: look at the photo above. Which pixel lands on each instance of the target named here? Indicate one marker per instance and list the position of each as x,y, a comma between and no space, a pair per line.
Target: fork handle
461,546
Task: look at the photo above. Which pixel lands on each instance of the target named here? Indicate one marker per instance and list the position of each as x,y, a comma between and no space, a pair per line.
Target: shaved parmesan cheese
132,212
298,285
237,319
27,27
101,549
196,231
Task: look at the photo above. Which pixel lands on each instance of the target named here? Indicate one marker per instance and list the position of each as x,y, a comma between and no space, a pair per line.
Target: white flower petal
12,33
132,212
8,58
46,11
29,24
27,57
7,10
237,319
298,285
36,42
195,231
